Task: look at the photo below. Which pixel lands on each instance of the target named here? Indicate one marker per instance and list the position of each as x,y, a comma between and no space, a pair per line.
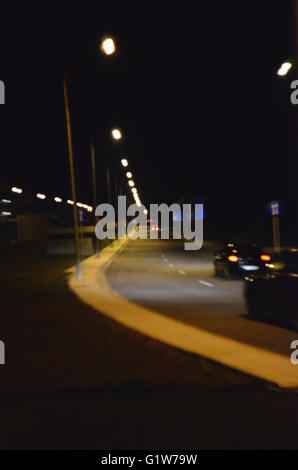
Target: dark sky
193,87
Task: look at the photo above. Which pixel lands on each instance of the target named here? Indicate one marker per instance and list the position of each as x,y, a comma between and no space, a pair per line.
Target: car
152,225
235,260
274,291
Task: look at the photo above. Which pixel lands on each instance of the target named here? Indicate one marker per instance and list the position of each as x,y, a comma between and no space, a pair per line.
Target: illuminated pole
73,184
94,193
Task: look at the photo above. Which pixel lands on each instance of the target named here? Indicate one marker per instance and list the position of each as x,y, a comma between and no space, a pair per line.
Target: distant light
57,199
108,46
145,211
233,258
124,162
69,201
129,174
79,204
16,190
265,257
116,134
4,213
6,201
90,209
85,206
284,69
131,183
134,190
40,196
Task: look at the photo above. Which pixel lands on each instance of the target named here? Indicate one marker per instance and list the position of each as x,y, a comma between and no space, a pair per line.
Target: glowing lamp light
145,211
16,190
108,46
284,69
124,162
57,199
134,190
69,201
116,134
131,183
40,196
129,174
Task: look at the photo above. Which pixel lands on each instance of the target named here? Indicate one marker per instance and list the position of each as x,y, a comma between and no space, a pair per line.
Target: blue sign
82,216
274,208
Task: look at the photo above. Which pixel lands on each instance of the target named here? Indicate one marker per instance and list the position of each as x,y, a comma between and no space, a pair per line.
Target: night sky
193,87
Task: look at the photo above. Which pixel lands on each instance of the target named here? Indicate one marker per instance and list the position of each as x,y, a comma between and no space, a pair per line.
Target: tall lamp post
108,47
73,183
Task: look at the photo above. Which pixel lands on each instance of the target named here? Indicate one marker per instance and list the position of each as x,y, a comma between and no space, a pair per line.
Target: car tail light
233,258
265,257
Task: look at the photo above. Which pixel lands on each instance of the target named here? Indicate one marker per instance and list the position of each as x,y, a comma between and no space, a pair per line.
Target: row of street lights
57,199
131,184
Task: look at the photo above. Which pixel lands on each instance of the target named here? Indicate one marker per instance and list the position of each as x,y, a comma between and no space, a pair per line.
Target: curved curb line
93,290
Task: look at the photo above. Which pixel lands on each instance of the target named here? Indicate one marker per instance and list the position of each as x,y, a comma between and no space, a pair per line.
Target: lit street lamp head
108,46
116,134
131,183
284,69
16,190
124,162
129,174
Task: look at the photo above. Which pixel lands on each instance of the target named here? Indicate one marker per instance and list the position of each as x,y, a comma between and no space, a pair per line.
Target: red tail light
265,257
233,258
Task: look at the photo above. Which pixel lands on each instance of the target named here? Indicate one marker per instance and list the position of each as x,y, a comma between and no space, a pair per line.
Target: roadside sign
274,209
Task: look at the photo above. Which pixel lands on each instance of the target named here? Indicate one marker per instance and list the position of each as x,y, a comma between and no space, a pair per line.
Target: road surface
161,275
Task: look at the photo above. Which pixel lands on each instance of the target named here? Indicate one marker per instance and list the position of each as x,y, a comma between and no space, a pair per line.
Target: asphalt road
161,275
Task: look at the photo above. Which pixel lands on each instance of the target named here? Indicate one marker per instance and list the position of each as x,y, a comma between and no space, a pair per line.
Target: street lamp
108,46
72,177
40,196
284,69
16,190
124,162
129,174
116,133
131,183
